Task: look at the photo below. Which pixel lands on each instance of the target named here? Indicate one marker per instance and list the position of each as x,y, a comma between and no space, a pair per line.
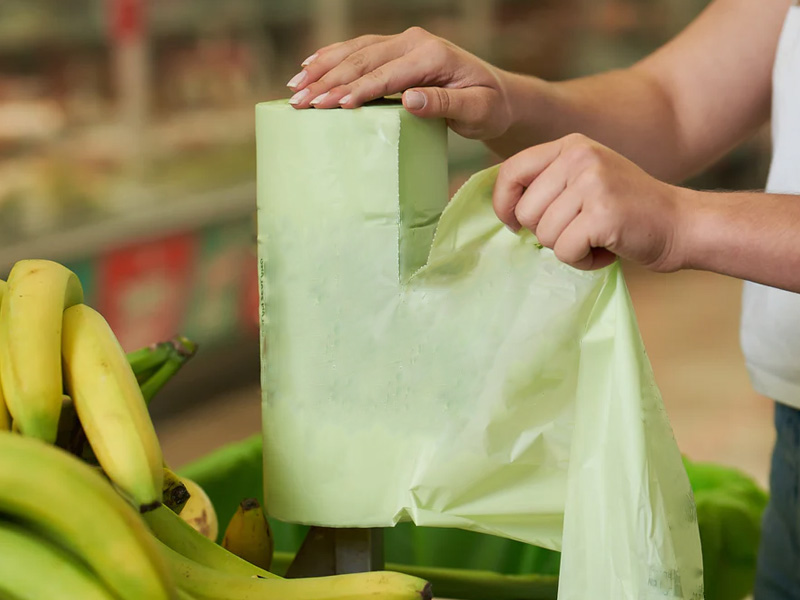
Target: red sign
127,19
144,290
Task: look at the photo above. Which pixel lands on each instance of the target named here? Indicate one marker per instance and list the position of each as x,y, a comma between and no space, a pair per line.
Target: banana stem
181,350
147,360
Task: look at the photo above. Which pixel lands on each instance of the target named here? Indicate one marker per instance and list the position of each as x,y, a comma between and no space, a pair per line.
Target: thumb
469,108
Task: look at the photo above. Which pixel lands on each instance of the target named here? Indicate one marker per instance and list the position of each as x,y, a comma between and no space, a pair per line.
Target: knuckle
416,32
357,61
377,82
443,100
594,179
575,138
581,153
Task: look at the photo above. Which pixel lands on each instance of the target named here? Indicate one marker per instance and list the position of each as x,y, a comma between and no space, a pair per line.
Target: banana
5,416
30,343
110,407
199,511
249,536
33,569
205,583
176,533
71,504
174,494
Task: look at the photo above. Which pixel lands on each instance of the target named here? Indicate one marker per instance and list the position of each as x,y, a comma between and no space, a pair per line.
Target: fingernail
511,229
309,60
345,99
298,97
319,98
415,100
297,79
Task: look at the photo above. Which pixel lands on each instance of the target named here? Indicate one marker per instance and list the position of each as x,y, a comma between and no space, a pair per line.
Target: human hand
438,79
590,204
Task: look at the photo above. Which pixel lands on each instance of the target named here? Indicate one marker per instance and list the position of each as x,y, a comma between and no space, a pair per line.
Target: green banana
176,533
71,504
110,407
33,569
30,343
205,583
5,416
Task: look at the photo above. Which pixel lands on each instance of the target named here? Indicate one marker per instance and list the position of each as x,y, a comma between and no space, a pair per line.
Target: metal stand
328,551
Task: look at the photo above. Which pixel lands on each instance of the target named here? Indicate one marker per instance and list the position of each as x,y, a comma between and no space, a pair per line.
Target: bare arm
674,112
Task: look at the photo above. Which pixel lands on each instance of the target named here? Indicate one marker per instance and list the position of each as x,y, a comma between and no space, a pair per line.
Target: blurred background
127,152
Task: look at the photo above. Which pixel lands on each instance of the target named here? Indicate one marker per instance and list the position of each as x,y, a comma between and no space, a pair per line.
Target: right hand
438,79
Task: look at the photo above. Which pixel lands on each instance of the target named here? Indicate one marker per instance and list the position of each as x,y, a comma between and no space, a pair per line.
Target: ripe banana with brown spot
199,512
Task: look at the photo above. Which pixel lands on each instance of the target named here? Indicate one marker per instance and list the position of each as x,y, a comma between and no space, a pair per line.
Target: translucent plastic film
421,362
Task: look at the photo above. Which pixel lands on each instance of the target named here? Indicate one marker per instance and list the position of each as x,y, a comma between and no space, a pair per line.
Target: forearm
752,236
625,110
675,111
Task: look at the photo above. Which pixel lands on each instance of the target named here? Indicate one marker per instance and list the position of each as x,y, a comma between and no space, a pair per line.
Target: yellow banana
174,494
176,533
199,511
5,416
33,568
30,343
205,583
71,504
249,536
110,406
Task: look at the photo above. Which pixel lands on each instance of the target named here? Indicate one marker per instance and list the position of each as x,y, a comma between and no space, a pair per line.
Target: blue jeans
778,574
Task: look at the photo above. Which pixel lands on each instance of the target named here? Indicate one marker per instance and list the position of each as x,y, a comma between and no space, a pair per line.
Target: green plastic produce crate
472,566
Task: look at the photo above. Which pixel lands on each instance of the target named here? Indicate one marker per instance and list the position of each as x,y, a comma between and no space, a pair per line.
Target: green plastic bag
424,364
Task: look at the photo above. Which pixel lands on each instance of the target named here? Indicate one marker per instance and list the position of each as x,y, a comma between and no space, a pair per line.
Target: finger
516,175
369,63
324,59
540,194
574,246
414,68
557,216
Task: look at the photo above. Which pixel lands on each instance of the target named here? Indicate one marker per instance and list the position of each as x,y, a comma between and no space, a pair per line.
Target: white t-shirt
770,325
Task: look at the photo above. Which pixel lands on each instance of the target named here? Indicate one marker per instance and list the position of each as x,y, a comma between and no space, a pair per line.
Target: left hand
590,205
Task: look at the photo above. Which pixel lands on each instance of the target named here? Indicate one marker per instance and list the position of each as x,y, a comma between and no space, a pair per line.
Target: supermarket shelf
154,220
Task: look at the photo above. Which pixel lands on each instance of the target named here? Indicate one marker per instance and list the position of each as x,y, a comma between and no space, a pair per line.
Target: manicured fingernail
414,100
345,99
309,60
297,79
298,97
319,98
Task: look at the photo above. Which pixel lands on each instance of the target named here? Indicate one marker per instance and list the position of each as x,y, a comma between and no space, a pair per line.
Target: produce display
85,495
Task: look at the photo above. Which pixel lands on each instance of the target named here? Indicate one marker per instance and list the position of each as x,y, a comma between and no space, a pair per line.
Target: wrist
687,238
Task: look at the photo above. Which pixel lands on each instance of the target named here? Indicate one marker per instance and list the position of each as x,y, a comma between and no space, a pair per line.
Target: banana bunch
74,521
88,507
